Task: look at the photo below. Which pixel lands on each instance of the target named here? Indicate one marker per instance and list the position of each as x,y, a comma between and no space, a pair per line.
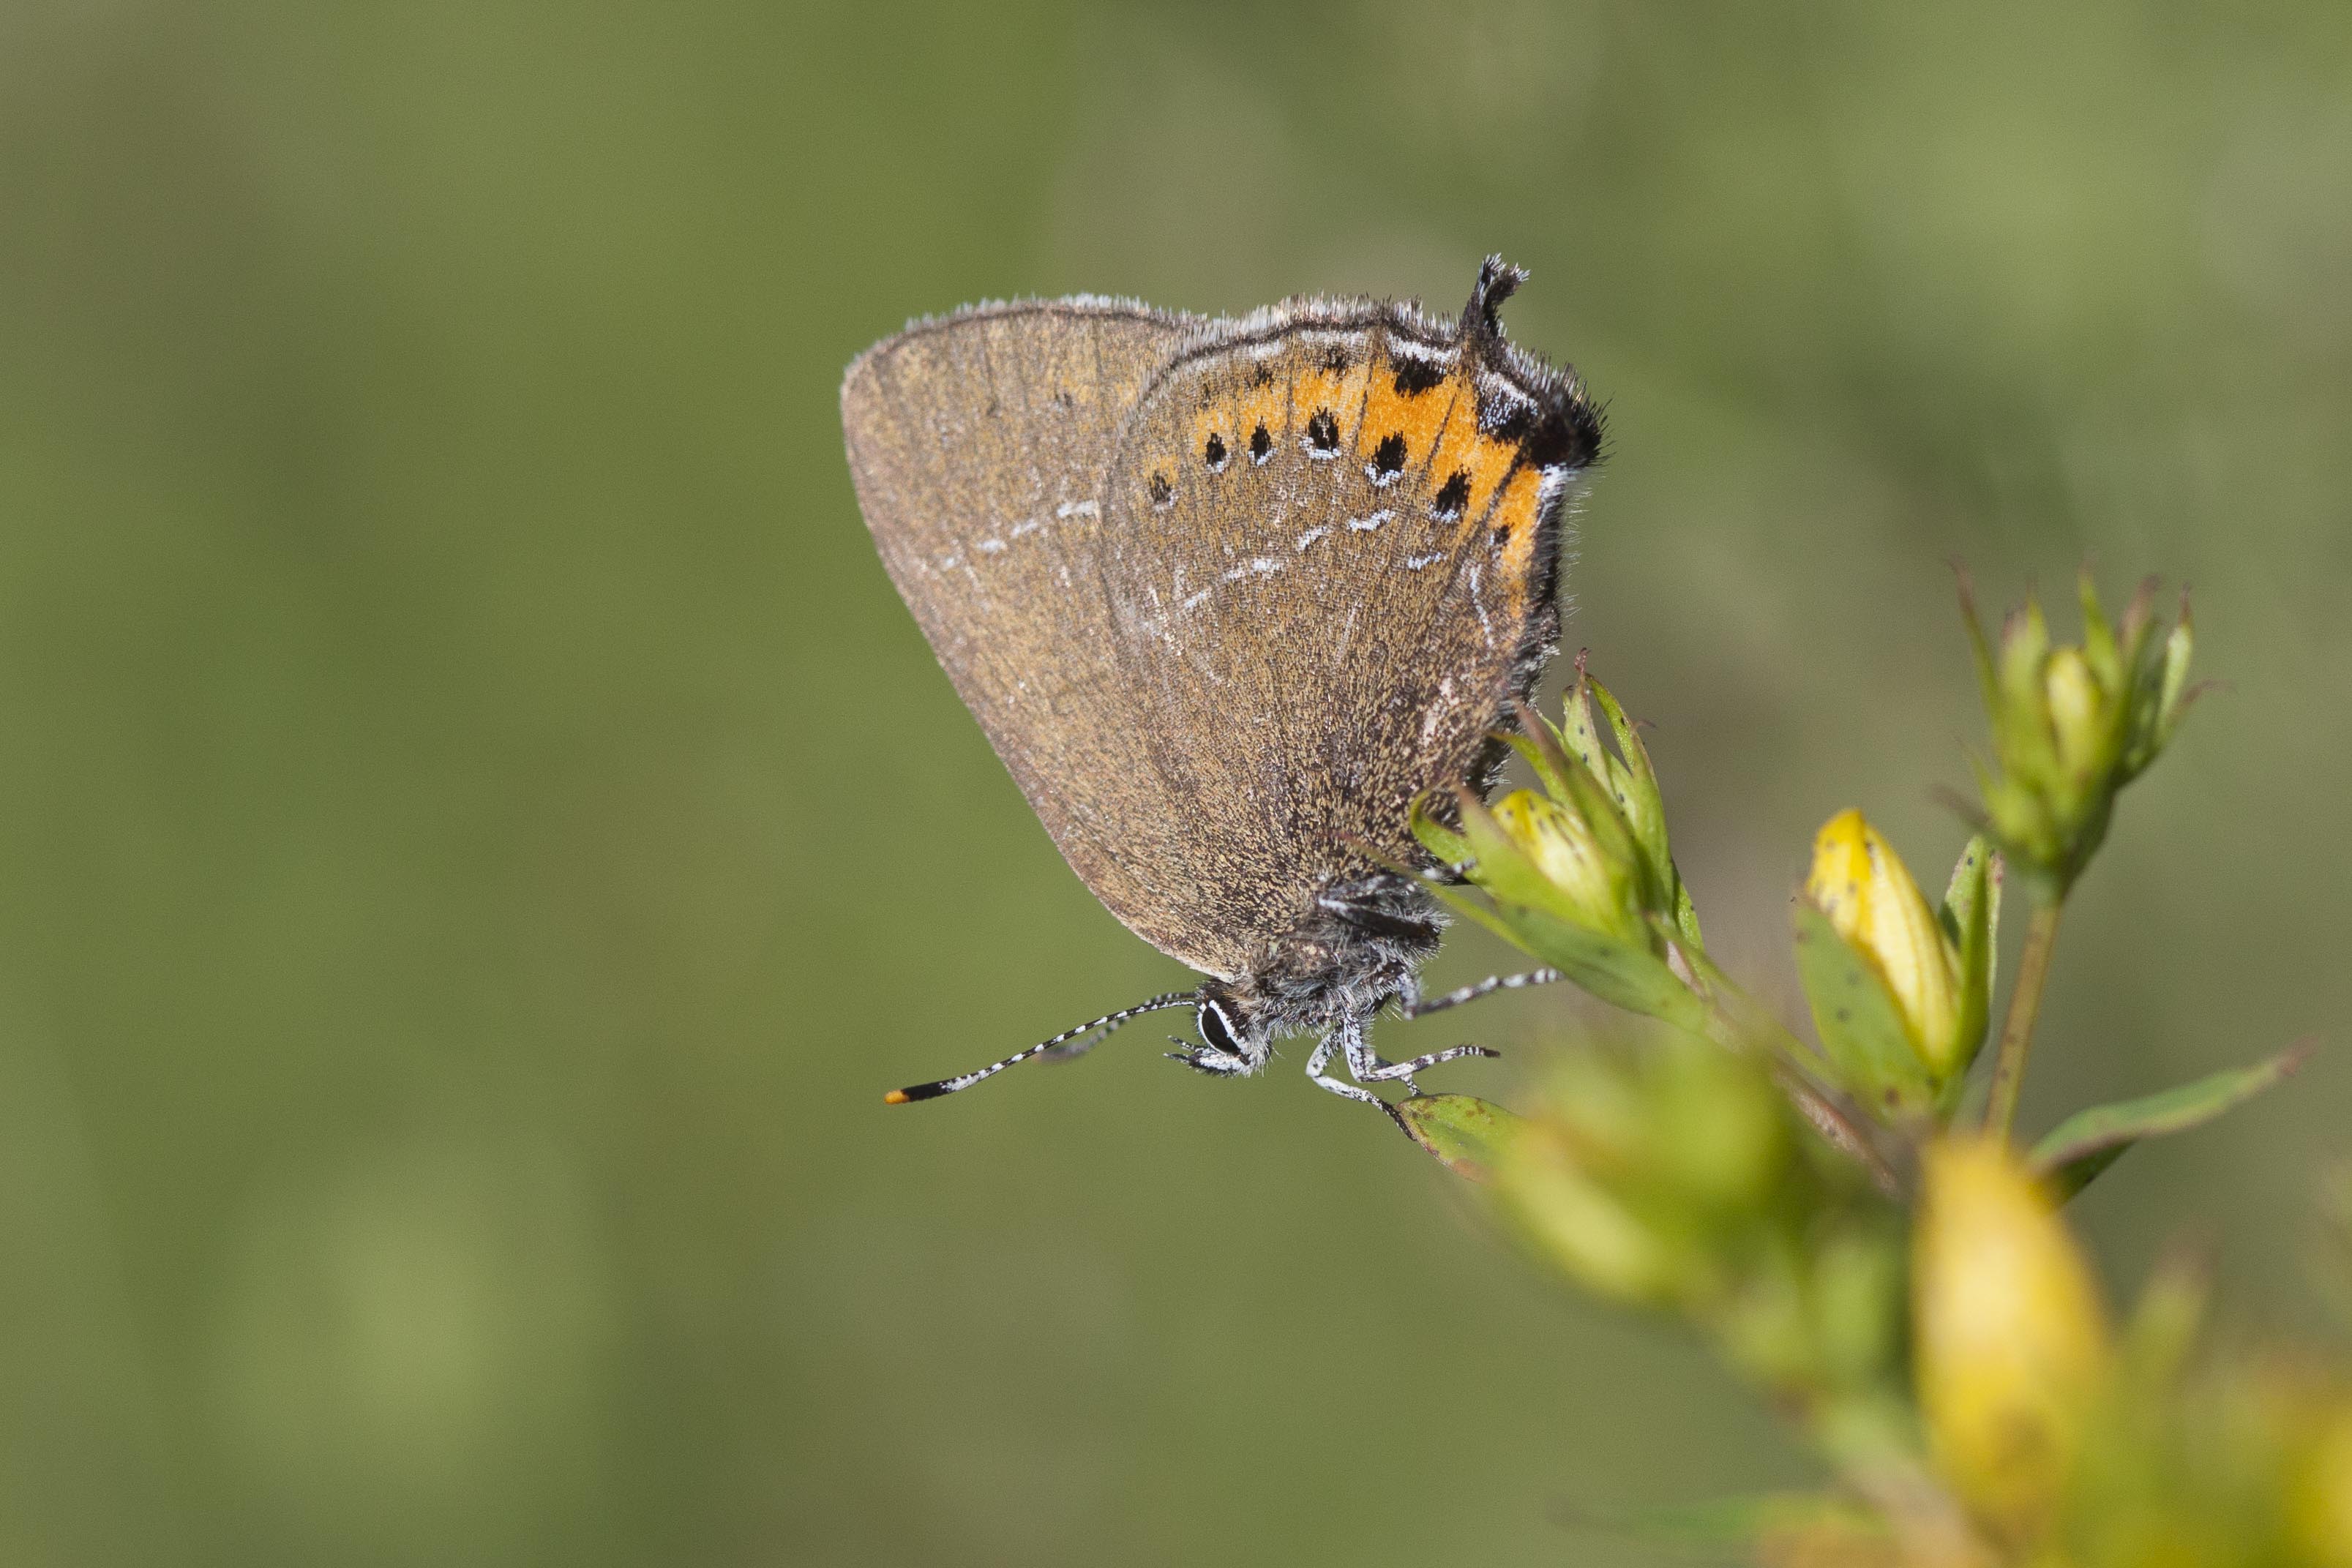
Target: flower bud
1580,876
1648,1167
2011,1344
2320,1501
2071,725
1587,864
1862,885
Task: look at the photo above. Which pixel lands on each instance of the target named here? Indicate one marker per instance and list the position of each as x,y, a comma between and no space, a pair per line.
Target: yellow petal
1863,885
2011,1343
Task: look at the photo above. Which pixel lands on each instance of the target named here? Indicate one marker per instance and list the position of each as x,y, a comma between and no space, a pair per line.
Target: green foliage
2073,1154
1759,1189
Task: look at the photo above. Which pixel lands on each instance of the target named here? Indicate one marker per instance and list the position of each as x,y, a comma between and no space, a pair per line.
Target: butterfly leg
1366,1067
1412,1005
1348,1036
1208,1059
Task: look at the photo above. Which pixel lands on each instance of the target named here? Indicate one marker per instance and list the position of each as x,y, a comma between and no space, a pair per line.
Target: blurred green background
479,832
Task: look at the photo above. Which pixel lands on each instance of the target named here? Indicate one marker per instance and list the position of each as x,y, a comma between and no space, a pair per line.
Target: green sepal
1442,841
1971,916
1861,1027
1538,741
1634,782
2073,1154
1686,912
2100,651
1625,977
1577,732
1466,1135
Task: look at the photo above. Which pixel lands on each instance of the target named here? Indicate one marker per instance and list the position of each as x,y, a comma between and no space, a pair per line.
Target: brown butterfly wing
978,444
1331,554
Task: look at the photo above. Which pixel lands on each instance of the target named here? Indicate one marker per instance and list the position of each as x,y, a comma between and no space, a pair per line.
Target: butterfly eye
1216,1029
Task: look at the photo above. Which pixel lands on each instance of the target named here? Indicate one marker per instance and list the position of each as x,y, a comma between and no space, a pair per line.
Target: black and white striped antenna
1105,1023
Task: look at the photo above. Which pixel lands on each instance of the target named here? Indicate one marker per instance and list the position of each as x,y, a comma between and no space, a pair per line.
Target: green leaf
2074,1152
1860,1027
1467,1135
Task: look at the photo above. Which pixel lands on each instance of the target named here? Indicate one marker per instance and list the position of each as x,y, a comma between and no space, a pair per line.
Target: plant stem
2017,1027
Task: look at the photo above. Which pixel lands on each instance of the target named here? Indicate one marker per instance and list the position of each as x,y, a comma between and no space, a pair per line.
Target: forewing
978,445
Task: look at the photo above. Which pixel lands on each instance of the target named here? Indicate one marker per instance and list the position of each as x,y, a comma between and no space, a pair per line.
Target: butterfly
1227,597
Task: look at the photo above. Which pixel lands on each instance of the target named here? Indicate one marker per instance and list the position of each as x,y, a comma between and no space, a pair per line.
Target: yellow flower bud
2011,1342
1597,885
2321,1501
1864,887
2080,717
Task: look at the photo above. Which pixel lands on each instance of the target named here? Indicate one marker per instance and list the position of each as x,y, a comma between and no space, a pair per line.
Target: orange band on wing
1515,516
1340,394
1418,417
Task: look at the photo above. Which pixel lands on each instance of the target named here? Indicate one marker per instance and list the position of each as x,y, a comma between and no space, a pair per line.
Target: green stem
1873,1445
2017,1027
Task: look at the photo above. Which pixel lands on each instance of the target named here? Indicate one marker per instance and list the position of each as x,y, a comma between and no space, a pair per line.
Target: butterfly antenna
1105,1023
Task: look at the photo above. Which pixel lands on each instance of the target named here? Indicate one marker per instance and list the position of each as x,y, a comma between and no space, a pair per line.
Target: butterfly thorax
1361,943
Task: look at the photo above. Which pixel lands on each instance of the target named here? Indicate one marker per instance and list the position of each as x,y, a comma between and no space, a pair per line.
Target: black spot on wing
1416,376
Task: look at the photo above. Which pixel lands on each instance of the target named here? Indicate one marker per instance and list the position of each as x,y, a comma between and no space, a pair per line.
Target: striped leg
1362,1065
1047,1048
1411,1005
1350,1037
1208,1059
1366,1067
